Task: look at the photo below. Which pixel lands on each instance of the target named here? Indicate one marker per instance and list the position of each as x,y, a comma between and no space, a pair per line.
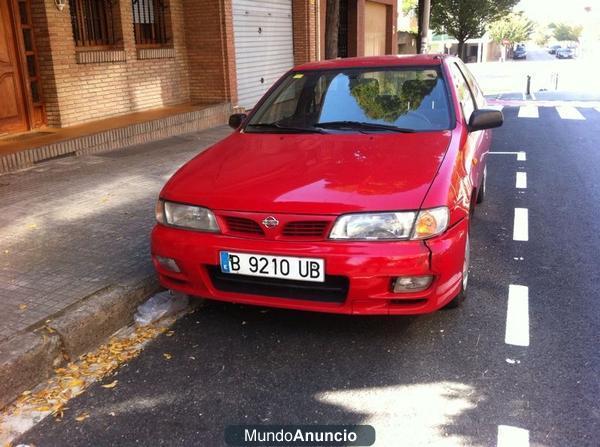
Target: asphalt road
449,378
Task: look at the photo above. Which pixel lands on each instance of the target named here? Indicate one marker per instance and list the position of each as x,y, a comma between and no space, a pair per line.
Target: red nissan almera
349,188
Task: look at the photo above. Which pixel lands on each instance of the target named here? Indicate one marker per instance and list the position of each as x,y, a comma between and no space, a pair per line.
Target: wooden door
13,113
375,28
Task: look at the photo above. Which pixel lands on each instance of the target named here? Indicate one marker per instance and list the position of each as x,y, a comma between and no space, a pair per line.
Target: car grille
305,229
333,290
243,225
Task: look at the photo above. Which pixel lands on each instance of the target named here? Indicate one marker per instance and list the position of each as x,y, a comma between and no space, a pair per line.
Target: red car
349,188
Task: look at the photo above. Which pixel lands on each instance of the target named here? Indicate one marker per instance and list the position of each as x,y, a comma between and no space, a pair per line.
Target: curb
30,358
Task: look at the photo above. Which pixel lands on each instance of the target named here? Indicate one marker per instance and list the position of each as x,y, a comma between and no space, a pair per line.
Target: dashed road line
521,156
509,436
521,182
528,112
569,113
517,316
521,225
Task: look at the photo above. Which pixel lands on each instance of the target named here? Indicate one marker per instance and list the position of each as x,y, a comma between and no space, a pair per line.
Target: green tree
542,35
563,32
409,6
514,27
467,19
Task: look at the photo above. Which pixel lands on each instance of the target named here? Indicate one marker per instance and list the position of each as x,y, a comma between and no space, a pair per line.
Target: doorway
21,105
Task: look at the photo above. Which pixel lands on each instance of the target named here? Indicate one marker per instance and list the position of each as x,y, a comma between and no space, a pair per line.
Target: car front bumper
369,269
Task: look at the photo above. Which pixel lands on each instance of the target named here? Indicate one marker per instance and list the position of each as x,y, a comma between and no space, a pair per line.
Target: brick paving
71,227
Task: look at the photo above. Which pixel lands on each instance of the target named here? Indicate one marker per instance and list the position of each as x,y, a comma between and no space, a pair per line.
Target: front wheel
462,295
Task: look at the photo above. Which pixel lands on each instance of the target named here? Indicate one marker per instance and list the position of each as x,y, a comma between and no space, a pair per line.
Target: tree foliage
467,19
409,6
562,32
514,27
381,100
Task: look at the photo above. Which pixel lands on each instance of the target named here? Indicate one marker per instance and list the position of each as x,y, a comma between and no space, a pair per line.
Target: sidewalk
72,227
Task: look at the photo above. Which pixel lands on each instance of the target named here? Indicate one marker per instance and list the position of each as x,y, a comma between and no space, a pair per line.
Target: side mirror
236,120
485,119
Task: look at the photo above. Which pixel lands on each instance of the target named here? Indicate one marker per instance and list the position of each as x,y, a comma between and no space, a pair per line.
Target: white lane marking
569,113
495,107
528,112
521,225
524,97
533,96
521,156
521,180
597,109
517,316
509,436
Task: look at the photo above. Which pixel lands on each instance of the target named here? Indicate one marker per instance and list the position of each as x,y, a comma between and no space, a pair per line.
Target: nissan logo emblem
270,222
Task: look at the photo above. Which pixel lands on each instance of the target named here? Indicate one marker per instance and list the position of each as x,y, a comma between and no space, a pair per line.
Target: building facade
68,62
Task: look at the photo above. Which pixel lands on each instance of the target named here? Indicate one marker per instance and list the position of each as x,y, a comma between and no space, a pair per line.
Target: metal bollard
528,89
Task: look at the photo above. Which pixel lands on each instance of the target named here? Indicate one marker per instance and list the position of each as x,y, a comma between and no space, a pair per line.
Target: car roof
407,60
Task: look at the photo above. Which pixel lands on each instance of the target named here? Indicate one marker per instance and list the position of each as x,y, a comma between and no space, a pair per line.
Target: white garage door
264,48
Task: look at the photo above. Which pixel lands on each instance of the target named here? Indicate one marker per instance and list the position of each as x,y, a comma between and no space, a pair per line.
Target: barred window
151,22
93,22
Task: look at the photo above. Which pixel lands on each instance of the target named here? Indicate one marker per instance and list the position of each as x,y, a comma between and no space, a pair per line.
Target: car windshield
364,100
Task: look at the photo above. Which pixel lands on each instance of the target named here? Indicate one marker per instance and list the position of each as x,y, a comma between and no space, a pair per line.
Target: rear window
413,98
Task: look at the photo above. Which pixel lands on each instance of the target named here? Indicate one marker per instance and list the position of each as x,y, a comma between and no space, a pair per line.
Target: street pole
424,22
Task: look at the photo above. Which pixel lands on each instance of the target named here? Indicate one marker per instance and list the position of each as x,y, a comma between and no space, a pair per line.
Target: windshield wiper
283,128
363,125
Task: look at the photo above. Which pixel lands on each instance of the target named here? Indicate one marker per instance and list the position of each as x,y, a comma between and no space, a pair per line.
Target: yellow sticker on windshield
298,76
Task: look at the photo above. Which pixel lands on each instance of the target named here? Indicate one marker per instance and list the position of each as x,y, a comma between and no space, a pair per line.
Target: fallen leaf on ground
167,356
111,384
22,306
170,333
82,417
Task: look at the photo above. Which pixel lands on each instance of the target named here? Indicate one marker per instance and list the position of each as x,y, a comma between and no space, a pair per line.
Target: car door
478,143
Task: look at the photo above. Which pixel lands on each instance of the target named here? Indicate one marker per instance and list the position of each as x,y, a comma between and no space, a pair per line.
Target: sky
546,11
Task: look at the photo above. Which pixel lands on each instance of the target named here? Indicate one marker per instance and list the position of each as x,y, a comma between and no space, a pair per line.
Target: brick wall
75,93
200,68
304,19
211,53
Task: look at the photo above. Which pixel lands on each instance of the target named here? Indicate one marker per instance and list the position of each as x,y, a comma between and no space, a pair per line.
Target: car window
284,103
475,89
410,98
463,92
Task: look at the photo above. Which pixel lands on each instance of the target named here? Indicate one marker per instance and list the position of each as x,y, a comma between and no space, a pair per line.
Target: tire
481,192
462,295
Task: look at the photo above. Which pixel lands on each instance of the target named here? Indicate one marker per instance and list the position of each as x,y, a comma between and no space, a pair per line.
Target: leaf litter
72,379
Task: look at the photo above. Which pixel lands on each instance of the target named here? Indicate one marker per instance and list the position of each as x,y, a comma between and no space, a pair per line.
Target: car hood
312,173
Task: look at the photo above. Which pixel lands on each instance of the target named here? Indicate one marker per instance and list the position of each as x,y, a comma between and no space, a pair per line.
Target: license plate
283,267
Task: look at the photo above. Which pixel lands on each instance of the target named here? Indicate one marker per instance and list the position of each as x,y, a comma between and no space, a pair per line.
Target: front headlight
382,226
186,216
373,226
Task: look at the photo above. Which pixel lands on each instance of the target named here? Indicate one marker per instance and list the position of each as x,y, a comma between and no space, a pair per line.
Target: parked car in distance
349,188
520,52
552,48
565,53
